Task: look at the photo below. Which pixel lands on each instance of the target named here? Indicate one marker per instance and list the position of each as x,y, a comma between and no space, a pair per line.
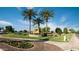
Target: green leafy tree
58,30
72,30
9,29
1,28
20,31
25,31
44,29
28,15
46,14
65,30
77,32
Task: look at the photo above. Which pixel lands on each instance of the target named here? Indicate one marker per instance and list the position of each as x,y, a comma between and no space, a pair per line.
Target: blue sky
63,17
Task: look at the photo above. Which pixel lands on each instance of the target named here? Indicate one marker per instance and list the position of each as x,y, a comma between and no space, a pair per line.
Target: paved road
1,50
75,42
72,45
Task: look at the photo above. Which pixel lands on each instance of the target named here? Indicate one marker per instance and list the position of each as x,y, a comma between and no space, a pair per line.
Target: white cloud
4,23
53,26
63,19
76,27
25,24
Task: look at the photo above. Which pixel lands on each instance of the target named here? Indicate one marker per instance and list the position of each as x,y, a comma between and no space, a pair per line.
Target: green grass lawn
14,35
22,35
58,38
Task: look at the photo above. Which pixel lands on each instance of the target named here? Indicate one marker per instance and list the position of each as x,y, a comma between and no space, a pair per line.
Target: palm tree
46,14
37,21
28,15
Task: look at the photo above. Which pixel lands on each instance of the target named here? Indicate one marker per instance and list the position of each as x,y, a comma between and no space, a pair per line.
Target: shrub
44,34
65,30
19,44
12,43
56,35
25,45
58,30
44,29
44,38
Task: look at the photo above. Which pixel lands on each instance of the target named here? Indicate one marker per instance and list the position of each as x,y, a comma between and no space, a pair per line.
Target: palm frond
38,21
46,13
29,13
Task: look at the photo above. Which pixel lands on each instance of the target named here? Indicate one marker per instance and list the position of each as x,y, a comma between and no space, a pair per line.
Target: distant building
36,30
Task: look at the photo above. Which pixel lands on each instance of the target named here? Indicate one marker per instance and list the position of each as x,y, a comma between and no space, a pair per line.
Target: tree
15,31
28,15
65,30
58,30
46,14
25,31
20,31
44,29
37,22
78,31
72,30
1,28
9,29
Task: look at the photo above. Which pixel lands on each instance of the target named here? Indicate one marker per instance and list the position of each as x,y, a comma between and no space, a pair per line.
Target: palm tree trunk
46,27
29,26
39,28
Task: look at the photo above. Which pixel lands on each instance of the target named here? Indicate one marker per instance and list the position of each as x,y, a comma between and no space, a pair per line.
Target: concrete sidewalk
67,46
1,49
